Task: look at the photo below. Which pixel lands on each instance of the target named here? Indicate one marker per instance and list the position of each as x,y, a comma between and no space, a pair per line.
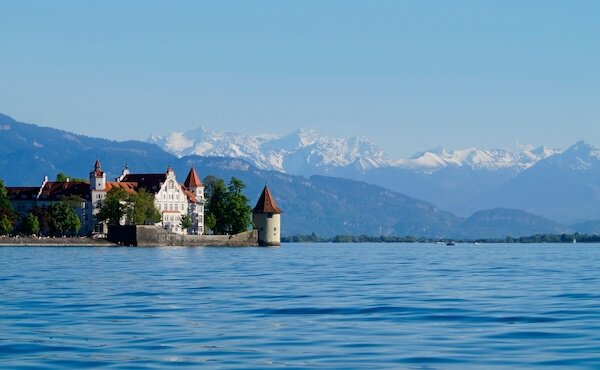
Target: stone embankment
54,242
143,236
152,236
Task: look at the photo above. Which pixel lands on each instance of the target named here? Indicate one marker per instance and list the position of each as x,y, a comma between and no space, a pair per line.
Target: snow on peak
302,151
493,159
580,156
306,151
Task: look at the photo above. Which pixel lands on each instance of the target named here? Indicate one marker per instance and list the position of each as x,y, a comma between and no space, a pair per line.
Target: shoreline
54,242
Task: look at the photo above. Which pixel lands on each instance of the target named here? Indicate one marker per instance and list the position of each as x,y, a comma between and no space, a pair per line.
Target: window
171,184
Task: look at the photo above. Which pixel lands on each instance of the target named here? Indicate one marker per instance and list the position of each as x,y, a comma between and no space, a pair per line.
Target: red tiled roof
151,182
192,180
266,203
129,187
191,196
53,190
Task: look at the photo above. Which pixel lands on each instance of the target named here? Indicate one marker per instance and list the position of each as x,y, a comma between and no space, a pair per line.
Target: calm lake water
415,306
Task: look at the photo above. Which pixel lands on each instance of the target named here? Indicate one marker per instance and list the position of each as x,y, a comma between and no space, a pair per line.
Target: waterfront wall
53,242
153,236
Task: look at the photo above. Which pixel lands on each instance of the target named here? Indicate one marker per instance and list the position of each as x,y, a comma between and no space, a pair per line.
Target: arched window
171,184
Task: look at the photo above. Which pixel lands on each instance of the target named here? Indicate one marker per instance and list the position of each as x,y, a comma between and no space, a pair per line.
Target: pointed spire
266,203
97,172
193,180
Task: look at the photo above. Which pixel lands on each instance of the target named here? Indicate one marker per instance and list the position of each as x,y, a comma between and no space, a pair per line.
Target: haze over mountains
306,152
336,186
560,185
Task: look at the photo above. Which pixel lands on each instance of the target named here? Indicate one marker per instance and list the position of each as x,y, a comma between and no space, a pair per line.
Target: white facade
172,199
173,202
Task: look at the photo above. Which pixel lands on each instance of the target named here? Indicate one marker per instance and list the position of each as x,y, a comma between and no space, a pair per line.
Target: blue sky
411,75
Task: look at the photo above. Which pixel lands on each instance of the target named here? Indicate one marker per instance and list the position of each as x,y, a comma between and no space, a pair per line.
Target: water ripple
301,306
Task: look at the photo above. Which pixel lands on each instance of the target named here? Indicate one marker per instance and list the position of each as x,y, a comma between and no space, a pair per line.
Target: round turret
267,219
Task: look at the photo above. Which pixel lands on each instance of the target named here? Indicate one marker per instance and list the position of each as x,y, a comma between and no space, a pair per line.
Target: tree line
538,238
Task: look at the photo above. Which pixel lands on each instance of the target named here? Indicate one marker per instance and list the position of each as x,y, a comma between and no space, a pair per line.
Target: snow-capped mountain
306,152
301,152
581,156
491,160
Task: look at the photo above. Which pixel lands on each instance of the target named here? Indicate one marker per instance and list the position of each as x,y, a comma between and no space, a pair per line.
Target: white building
173,200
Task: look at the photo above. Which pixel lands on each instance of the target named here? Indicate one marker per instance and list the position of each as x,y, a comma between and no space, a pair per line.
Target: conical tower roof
266,203
192,180
97,172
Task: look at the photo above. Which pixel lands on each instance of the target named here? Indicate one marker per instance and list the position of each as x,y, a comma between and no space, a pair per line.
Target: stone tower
267,219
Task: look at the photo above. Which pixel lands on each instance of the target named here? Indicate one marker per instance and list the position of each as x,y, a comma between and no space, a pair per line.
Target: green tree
113,207
73,223
5,225
239,213
227,209
41,213
216,204
31,224
186,222
62,177
7,214
63,219
142,209
209,221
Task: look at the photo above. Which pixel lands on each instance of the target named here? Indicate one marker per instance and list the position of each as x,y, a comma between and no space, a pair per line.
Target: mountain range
303,152
306,152
557,184
326,204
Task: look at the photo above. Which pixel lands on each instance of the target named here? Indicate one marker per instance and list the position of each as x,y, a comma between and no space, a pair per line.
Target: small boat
451,243
574,241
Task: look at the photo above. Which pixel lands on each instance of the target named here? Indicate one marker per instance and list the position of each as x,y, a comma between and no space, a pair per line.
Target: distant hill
29,152
501,222
564,187
329,206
